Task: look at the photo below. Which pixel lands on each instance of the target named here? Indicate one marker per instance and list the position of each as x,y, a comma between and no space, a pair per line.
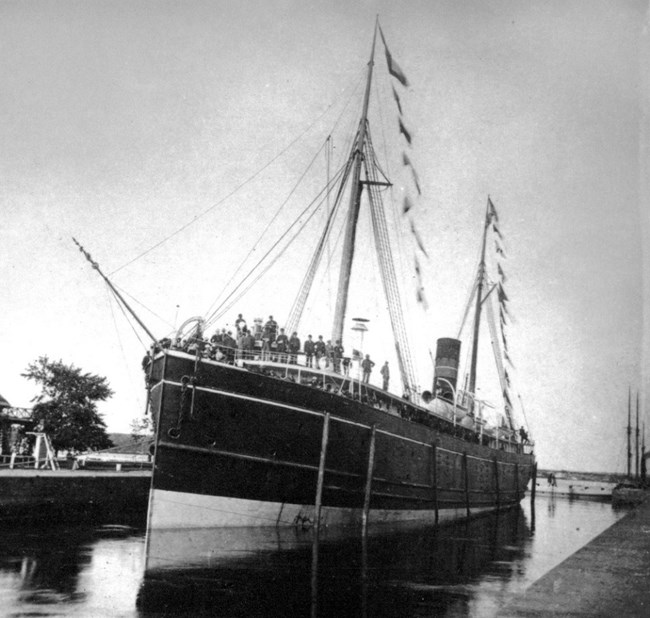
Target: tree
66,408
141,429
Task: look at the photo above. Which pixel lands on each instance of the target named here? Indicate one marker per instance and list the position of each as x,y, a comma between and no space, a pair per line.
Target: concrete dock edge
610,576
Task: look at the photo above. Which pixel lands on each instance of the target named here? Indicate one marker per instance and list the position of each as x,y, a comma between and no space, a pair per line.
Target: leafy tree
66,408
141,429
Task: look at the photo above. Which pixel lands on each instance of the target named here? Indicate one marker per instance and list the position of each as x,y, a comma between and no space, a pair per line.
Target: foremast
481,291
355,205
480,282
362,157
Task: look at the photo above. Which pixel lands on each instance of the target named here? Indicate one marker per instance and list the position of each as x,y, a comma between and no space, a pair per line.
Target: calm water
468,569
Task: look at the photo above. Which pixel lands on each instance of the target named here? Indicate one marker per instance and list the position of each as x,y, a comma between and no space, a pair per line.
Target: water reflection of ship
388,574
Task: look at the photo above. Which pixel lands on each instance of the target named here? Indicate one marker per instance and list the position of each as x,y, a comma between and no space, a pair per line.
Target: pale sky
123,121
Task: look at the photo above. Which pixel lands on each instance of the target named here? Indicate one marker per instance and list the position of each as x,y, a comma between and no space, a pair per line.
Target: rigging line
129,322
329,250
119,340
400,251
277,212
521,403
468,304
298,306
277,242
144,306
496,348
210,319
391,288
328,264
362,76
252,270
261,274
265,270
229,195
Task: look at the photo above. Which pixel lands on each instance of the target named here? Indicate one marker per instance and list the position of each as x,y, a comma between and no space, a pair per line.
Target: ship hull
240,447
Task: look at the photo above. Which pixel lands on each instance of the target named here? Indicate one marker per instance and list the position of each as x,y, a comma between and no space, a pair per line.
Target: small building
14,423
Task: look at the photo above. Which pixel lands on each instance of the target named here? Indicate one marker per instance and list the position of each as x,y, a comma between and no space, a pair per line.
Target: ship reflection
248,572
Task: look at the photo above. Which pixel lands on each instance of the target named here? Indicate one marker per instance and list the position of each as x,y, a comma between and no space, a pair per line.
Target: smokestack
446,365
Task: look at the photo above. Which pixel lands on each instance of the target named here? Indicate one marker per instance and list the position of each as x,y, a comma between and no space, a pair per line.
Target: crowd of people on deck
269,342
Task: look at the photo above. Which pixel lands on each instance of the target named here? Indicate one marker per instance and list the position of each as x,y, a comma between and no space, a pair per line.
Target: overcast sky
122,122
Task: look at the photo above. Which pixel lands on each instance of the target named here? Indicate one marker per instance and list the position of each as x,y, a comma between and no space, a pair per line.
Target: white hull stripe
171,509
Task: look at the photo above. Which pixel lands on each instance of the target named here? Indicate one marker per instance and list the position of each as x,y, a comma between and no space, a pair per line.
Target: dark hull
239,448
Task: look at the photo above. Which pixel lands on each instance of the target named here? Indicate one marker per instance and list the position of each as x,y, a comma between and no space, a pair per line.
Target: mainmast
355,203
479,303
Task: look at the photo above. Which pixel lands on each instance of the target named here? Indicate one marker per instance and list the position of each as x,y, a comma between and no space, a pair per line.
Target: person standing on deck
329,352
271,328
249,344
337,355
282,343
240,324
294,348
367,366
268,338
241,343
523,434
230,347
319,350
309,352
385,374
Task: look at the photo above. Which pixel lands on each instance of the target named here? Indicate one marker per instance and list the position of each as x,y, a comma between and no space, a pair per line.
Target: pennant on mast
393,68
396,97
416,180
492,211
405,132
418,239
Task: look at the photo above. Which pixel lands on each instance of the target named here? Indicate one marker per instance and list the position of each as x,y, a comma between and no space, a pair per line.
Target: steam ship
261,438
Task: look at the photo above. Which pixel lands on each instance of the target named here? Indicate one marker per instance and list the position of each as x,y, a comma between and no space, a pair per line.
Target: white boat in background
571,487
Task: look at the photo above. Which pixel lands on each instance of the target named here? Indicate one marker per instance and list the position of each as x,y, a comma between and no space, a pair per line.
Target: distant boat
570,486
263,436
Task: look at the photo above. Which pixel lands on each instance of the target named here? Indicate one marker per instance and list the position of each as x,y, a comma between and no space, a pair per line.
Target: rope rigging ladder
387,270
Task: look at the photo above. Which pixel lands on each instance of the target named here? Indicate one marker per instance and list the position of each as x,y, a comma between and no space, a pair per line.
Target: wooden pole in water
321,470
517,495
434,466
466,473
496,481
533,492
533,489
371,466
